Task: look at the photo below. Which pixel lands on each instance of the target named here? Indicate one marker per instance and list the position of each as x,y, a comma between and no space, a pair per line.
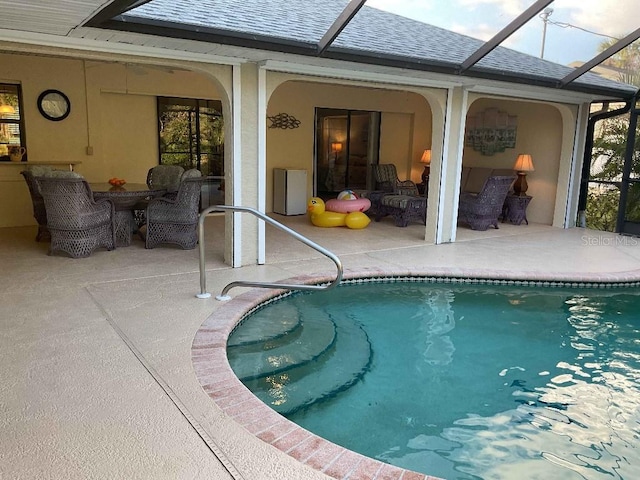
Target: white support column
453,145
248,173
237,165
262,160
567,218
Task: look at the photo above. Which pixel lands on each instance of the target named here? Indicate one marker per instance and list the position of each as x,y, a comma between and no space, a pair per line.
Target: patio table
124,198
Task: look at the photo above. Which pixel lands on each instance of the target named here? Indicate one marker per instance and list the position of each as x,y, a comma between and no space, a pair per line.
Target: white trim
510,90
443,170
464,105
444,184
98,46
352,71
236,108
347,73
575,173
262,161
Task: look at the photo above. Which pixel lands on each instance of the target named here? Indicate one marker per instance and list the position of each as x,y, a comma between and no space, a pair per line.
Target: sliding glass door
347,142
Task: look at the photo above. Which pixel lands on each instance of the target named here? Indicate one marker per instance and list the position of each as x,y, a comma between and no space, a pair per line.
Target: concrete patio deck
98,380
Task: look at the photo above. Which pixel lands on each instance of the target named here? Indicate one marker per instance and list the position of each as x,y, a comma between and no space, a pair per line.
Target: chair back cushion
40,170
386,176
475,179
191,173
166,177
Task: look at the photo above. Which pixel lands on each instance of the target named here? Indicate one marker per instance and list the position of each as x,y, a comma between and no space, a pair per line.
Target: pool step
335,371
316,336
282,319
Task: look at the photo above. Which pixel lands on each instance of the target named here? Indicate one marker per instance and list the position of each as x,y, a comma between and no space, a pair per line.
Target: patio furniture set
78,217
480,209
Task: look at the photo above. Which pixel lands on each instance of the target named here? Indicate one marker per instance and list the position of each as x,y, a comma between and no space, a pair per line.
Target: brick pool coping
212,369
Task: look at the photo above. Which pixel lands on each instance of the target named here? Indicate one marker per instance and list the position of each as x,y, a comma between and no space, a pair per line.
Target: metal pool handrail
223,295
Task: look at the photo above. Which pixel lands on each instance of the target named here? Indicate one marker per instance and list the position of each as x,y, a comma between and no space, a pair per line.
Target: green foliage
609,148
182,144
607,163
602,209
626,61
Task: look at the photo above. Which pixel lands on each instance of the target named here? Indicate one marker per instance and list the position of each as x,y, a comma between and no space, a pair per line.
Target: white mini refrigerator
289,191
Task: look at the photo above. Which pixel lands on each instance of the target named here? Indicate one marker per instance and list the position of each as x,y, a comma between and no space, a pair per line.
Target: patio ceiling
328,33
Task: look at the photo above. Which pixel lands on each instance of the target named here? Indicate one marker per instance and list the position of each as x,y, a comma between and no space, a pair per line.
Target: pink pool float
348,202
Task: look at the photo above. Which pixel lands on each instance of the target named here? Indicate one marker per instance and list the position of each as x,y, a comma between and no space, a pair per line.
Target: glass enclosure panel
191,134
602,206
609,146
567,32
634,173
632,209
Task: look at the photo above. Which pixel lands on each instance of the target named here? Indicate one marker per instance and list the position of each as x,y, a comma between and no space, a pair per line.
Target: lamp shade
336,147
426,157
524,163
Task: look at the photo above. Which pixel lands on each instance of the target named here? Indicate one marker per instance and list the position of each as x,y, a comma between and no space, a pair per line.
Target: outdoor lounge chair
175,221
481,210
77,223
403,209
395,197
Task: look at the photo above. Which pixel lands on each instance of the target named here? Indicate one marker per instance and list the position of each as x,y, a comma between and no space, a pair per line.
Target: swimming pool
457,381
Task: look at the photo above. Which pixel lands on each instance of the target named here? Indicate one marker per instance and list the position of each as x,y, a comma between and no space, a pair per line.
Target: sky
563,43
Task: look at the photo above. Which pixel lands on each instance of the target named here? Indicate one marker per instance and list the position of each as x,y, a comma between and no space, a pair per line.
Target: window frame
13,121
195,151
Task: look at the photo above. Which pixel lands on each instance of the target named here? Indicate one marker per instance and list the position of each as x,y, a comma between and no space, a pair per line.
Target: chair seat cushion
397,201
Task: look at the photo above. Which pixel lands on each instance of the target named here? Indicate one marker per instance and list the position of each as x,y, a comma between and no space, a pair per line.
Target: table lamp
426,159
336,148
7,109
523,165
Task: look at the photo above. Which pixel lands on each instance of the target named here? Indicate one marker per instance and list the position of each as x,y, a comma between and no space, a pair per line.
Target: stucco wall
539,133
405,129
113,111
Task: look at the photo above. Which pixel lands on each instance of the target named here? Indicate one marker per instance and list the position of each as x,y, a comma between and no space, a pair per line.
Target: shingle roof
372,35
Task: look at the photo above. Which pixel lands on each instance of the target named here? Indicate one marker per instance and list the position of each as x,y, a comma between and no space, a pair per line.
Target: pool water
459,382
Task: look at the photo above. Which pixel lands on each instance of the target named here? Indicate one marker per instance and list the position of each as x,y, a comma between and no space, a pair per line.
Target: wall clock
54,105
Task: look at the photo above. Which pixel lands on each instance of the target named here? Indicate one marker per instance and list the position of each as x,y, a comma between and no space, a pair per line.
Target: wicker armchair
175,221
78,224
481,210
166,177
39,210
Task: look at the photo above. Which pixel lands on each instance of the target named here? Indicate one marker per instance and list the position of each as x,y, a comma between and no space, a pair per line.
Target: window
12,136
